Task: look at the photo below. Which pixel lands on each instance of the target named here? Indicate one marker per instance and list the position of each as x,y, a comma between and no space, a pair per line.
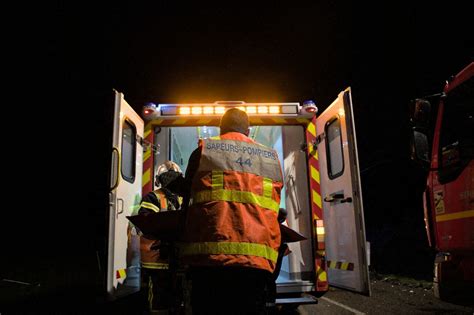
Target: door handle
114,177
119,206
337,197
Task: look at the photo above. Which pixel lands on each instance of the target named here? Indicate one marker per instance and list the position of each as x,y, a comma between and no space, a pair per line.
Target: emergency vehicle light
212,109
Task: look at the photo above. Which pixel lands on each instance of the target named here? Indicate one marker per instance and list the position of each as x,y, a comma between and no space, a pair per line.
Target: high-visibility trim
236,196
215,138
148,161
317,198
204,122
146,155
217,180
215,121
121,273
149,205
319,233
341,265
155,265
145,178
267,187
150,292
312,129
279,120
321,273
161,199
179,122
146,133
230,248
314,174
455,216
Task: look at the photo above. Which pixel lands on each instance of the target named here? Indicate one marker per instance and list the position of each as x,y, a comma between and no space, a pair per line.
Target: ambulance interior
297,270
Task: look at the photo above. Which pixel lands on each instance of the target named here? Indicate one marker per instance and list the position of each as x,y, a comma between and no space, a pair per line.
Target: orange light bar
251,109
208,110
184,110
219,110
274,109
196,110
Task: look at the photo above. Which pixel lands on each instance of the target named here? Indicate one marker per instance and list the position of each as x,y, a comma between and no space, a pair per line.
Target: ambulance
322,191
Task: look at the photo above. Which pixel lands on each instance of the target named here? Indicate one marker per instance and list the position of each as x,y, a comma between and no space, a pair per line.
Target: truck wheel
441,292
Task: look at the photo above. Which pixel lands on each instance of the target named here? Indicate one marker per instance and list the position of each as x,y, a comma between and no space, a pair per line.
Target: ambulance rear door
342,196
123,268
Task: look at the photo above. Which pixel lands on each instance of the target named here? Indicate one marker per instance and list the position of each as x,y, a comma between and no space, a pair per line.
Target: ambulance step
306,299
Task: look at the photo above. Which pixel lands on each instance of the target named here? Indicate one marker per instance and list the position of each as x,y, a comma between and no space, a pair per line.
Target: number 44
246,162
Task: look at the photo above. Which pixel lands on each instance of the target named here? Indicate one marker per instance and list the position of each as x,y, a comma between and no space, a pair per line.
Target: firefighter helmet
166,173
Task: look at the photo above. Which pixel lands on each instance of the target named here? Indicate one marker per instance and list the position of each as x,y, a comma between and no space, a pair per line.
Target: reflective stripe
161,199
150,206
217,181
215,138
230,248
150,292
236,196
152,265
455,216
267,187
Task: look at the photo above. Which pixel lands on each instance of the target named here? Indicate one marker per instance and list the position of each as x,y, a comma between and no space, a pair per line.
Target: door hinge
147,145
319,139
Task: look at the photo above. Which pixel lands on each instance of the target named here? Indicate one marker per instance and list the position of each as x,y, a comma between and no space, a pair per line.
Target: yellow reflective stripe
314,173
311,128
147,132
150,206
267,187
455,215
146,155
151,265
215,138
317,198
217,181
230,248
145,178
236,196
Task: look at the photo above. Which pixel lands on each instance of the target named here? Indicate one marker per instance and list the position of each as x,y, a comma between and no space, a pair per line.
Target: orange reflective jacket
235,201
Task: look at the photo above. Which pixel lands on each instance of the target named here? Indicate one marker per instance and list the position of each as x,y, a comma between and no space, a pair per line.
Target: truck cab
443,143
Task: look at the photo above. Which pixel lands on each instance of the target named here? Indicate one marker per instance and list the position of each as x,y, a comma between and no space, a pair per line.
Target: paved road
389,296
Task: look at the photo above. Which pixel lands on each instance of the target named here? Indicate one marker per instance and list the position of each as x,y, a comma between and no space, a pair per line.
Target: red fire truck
448,130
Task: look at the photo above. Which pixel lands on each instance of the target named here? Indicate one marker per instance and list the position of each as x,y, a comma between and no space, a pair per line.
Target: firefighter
156,274
231,232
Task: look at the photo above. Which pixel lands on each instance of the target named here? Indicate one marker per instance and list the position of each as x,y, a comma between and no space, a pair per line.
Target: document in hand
164,225
289,235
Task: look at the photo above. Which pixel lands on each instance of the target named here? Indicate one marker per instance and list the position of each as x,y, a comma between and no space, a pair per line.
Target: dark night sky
388,53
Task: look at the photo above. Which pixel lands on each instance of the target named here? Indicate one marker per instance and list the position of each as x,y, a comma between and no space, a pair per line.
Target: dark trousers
229,290
157,288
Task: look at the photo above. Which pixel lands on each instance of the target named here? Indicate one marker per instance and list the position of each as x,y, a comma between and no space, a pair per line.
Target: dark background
387,53
169,52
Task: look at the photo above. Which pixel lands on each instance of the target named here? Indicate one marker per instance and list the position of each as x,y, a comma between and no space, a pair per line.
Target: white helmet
171,168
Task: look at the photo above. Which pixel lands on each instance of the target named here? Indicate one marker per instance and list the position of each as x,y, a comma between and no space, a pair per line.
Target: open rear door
123,272
342,196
